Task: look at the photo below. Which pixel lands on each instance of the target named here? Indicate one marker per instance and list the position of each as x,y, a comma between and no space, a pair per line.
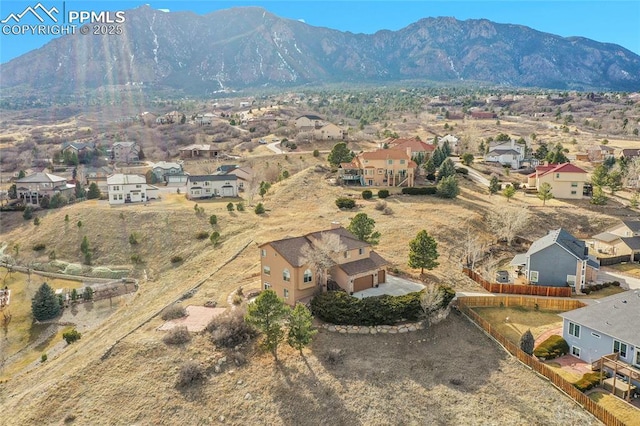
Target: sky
604,21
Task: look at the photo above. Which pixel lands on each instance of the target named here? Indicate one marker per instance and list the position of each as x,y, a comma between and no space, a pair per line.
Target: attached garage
362,283
227,191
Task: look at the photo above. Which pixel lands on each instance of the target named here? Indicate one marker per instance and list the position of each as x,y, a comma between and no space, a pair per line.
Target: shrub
36,221
136,259
71,336
213,219
190,372
230,329
177,336
553,347
387,211
367,194
424,190
240,207
316,153
230,208
176,259
615,283
259,209
39,247
43,357
345,203
202,235
383,193
381,205
462,171
237,299
338,307
133,238
173,312
589,380
27,214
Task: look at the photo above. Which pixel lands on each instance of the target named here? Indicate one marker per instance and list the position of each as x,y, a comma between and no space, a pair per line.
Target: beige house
199,151
567,181
329,132
306,123
620,240
384,167
412,146
125,152
31,189
285,270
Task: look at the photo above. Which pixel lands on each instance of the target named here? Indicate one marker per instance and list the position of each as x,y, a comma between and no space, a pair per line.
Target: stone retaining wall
373,329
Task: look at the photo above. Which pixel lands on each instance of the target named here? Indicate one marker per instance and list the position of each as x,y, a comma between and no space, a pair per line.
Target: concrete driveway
394,287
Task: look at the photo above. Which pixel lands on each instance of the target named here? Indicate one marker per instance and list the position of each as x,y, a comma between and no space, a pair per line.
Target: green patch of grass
520,319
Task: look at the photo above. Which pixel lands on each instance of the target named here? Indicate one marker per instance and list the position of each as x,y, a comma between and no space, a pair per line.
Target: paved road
608,275
274,147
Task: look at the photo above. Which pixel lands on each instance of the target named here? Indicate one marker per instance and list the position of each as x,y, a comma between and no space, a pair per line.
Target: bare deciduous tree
474,248
320,256
431,304
507,222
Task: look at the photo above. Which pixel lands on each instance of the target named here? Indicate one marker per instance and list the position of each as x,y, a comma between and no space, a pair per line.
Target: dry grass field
519,321
453,375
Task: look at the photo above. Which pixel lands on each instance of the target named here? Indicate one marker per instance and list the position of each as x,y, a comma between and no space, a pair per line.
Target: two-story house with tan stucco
620,240
384,167
285,270
567,181
31,189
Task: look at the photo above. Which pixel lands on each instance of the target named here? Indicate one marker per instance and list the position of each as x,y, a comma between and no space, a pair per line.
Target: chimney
335,225
409,151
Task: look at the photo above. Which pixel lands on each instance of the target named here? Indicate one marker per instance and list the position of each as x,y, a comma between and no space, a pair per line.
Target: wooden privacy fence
526,301
531,290
558,381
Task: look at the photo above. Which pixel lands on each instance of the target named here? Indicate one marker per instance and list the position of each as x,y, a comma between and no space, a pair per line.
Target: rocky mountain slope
250,47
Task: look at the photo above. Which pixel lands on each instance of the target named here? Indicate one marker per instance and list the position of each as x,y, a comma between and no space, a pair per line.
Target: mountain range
249,47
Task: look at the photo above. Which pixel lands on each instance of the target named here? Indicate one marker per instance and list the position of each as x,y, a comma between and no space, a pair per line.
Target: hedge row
337,307
424,190
589,380
553,347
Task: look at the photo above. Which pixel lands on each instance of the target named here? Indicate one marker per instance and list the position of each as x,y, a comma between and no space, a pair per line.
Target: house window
263,253
380,171
307,276
138,186
637,357
266,270
557,175
267,286
574,192
574,184
620,348
119,196
574,330
346,254
286,293
390,162
575,351
533,276
402,161
286,275
361,251
596,335
115,197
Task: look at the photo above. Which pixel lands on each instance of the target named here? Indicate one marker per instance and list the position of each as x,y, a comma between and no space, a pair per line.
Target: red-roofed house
412,146
566,180
384,167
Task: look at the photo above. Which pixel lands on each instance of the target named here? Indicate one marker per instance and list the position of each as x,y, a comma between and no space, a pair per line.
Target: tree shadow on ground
303,399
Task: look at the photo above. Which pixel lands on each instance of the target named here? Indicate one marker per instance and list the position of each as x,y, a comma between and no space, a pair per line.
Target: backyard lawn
632,269
512,322
625,412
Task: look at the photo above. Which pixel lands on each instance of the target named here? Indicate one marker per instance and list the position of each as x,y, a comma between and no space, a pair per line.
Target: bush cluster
597,287
338,307
39,247
177,336
553,347
589,380
383,193
462,170
345,203
173,312
424,190
367,194
71,336
202,235
230,329
176,259
190,372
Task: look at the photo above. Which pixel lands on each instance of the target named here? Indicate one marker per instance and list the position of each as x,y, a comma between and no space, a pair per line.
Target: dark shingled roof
632,242
291,249
633,225
346,237
371,263
203,178
617,316
563,239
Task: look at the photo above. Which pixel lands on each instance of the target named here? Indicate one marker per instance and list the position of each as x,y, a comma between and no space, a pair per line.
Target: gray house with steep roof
612,325
558,260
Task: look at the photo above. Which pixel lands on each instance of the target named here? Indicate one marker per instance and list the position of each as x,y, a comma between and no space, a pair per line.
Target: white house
208,186
130,189
506,153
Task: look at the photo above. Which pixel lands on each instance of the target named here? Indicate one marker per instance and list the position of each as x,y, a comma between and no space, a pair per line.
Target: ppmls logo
51,21
34,11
